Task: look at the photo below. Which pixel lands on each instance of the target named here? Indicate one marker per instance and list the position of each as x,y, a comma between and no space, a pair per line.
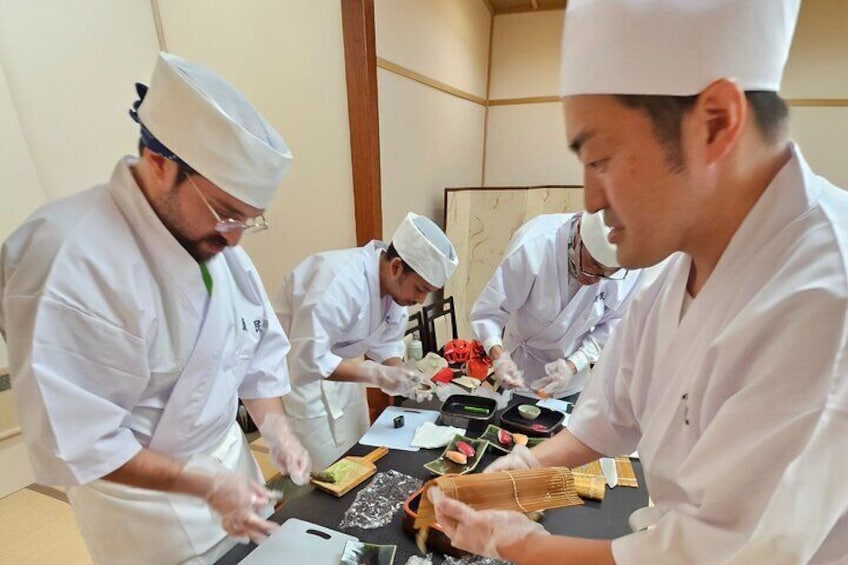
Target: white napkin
431,436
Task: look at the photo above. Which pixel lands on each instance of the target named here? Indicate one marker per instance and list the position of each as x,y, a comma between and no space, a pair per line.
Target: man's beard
167,209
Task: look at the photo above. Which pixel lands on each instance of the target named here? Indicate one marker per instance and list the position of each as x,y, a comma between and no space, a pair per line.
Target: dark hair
183,170
392,253
666,115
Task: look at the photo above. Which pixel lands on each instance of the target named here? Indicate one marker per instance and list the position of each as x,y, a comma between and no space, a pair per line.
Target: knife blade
609,470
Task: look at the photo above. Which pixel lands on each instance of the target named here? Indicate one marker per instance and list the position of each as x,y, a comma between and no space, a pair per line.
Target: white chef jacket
331,309
541,312
115,343
812,496
718,403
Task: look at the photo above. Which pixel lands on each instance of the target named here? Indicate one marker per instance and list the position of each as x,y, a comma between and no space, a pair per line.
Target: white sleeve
604,417
76,378
506,291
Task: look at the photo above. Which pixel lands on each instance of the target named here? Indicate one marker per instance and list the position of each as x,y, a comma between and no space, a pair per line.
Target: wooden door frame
361,78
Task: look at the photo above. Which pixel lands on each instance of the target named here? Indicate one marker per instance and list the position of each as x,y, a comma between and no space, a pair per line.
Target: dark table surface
600,520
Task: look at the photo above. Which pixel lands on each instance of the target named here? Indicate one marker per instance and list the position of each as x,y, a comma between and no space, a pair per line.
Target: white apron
159,527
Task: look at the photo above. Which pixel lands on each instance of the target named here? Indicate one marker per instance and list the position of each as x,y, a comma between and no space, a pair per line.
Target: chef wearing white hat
135,322
339,305
720,369
551,304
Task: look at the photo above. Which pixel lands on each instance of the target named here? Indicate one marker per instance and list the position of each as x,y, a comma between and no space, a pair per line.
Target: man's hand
519,458
480,531
287,453
507,373
559,374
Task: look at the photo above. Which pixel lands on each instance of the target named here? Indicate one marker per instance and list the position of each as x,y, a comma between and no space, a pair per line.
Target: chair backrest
415,324
433,312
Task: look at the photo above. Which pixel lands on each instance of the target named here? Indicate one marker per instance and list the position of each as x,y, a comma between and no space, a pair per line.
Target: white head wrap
425,247
674,47
208,124
594,234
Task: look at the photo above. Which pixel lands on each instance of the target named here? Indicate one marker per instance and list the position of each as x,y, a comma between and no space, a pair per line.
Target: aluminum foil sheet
375,505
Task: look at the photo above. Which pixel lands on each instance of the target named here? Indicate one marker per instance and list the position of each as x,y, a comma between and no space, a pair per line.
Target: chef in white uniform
339,305
721,368
135,322
551,304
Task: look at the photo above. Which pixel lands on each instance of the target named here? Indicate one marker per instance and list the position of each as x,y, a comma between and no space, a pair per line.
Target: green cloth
207,278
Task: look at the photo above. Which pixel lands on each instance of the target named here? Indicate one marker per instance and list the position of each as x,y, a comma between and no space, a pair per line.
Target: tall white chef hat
425,247
209,125
594,234
674,47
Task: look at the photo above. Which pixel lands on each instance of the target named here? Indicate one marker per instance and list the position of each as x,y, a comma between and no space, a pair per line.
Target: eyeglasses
227,225
575,257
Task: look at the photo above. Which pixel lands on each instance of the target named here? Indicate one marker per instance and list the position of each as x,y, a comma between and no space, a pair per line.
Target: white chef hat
674,47
594,233
425,247
210,126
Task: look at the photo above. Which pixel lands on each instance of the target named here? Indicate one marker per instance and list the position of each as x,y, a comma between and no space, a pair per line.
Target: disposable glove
287,453
507,373
480,531
559,375
519,458
396,381
237,499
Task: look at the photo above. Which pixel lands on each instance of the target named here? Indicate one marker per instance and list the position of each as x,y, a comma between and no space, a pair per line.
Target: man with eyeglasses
135,322
551,304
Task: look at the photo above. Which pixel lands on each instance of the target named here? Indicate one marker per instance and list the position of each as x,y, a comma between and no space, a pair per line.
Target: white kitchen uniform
719,402
331,309
115,344
813,494
541,312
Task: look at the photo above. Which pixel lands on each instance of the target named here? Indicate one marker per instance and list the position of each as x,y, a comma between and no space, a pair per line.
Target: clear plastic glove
237,499
559,374
519,458
287,453
507,373
395,381
480,531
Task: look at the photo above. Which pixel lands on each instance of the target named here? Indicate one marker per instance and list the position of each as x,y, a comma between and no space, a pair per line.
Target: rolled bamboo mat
527,490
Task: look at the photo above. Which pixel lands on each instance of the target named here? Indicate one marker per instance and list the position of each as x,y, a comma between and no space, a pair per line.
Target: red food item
457,351
443,376
477,368
538,428
466,448
504,438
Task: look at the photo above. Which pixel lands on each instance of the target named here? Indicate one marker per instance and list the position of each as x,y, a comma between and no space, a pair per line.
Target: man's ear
719,115
161,169
396,267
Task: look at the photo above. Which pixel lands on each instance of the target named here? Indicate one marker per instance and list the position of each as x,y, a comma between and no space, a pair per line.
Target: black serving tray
547,424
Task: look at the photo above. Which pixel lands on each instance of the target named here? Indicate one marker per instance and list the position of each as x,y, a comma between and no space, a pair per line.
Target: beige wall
430,139
288,59
525,143
66,81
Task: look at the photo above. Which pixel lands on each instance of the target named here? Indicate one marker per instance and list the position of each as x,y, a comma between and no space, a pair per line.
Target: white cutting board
383,433
297,542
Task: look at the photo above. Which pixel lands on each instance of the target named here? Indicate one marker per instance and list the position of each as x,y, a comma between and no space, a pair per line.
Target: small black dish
460,410
547,424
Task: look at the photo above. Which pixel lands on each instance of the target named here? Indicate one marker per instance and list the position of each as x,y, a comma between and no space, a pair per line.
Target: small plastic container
462,410
415,350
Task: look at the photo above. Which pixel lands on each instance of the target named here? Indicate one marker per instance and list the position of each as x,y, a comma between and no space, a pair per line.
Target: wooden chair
430,314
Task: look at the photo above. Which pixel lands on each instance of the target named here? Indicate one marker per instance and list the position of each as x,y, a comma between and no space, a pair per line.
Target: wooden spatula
349,472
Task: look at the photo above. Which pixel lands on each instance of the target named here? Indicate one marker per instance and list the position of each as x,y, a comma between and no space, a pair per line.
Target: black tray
453,412
547,424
